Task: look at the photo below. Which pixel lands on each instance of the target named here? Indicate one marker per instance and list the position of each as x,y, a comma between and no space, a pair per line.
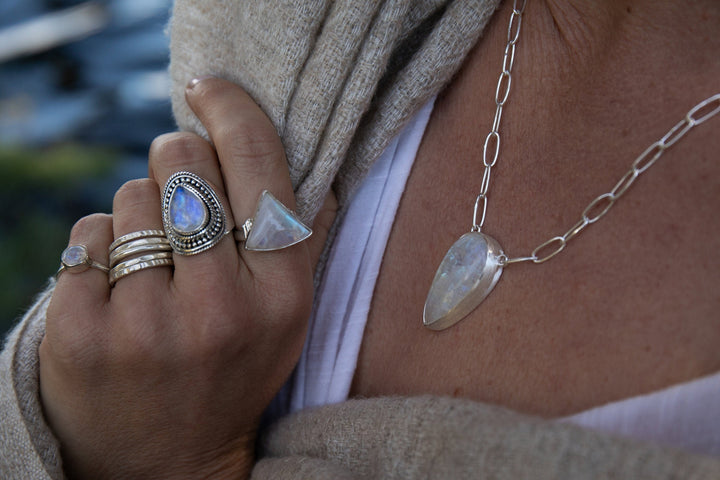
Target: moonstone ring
273,227
193,214
75,258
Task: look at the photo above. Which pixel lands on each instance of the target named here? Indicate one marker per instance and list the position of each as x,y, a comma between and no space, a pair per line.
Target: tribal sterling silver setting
193,215
75,258
273,227
473,265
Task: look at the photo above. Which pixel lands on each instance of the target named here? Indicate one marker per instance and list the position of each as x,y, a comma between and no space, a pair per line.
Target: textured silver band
134,236
122,269
137,251
138,247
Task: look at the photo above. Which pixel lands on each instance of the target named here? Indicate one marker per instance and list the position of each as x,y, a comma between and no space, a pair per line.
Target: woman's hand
166,374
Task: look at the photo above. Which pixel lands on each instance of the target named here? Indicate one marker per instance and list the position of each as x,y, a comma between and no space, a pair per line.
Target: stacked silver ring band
137,251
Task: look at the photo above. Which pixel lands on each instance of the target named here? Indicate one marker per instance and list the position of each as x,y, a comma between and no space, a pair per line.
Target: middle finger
183,151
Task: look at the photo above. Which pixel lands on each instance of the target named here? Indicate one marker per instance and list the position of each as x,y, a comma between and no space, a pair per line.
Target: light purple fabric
685,416
328,361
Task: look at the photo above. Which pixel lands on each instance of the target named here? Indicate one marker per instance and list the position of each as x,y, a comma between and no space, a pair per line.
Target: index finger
250,151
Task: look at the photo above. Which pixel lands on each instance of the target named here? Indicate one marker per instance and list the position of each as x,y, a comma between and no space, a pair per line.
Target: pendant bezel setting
467,274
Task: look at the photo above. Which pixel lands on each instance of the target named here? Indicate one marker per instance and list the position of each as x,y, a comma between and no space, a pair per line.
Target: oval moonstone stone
74,255
188,212
467,274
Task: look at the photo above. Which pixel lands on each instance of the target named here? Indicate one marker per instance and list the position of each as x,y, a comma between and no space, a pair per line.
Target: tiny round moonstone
74,255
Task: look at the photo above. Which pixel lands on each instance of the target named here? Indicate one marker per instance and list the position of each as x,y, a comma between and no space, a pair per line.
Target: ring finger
136,209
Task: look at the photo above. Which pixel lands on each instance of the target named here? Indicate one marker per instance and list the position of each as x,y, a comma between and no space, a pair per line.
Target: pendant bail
478,226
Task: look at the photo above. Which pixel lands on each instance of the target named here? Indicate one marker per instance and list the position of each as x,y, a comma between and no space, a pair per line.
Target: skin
631,305
613,316
145,380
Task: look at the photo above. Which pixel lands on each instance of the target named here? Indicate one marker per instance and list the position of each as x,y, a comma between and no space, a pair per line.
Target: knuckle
173,150
258,145
214,330
89,224
290,304
140,336
133,190
68,342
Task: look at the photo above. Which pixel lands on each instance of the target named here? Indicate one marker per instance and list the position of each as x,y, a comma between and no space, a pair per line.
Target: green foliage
58,168
42,194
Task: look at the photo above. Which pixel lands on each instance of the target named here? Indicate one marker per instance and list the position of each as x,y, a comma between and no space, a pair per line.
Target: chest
630,305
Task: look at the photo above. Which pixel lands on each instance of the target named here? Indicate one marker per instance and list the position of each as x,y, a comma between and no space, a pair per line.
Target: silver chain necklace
474,263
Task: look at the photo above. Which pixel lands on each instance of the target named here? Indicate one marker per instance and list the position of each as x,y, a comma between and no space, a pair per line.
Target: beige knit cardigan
339,80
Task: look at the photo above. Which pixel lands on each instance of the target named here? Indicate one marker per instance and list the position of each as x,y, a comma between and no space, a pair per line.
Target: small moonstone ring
75,258
193,215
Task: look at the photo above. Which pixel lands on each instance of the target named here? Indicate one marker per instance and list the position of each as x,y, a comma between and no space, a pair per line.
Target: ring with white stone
75,258
193,215
273,227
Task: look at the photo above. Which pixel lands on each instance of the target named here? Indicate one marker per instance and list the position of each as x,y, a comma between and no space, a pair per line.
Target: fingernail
193,83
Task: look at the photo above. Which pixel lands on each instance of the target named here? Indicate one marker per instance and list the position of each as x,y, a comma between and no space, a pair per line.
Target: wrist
235,461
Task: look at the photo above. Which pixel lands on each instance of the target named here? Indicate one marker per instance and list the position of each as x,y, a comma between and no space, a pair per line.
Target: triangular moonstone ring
467,274
274,226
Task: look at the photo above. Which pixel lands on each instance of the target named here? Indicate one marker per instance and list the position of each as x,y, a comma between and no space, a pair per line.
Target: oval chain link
603,203
491,147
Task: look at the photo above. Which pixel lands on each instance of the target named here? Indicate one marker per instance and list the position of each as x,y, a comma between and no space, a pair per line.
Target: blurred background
83,91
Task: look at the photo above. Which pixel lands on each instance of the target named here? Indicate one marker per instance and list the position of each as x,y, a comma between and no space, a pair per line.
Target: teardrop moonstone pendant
467,274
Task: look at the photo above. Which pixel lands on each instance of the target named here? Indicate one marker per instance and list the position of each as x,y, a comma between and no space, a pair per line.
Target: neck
641,32
645,61
593,85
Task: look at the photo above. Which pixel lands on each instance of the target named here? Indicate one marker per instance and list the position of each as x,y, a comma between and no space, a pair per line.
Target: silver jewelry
273,227
137,251
122,269
135,235
474,263
193,215
75,258
137,247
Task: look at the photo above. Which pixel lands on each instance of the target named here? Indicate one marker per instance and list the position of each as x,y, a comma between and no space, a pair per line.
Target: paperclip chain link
602,204
491,147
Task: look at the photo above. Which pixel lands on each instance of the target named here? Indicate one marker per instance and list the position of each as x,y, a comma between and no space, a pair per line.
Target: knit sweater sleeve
28,449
